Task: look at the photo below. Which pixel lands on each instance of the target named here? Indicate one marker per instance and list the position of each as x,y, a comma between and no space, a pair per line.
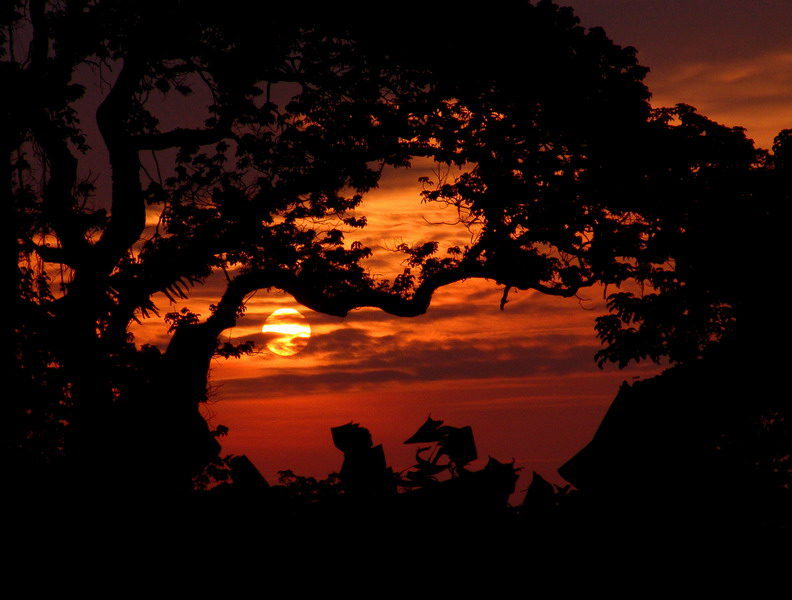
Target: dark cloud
354,359
348,342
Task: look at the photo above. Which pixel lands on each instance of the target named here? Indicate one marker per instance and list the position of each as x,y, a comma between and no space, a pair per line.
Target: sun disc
286,331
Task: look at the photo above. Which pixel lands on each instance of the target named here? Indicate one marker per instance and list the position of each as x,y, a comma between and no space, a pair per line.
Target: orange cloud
753,92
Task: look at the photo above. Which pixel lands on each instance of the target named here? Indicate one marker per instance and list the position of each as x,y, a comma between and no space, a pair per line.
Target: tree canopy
568,178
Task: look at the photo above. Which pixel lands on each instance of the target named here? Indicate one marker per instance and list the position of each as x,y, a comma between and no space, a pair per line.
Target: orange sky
525,378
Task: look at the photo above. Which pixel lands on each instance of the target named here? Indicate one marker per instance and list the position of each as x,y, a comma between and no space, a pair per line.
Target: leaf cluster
714,200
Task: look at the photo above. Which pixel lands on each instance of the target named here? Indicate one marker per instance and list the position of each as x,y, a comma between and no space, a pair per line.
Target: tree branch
180,137
59,189
128,213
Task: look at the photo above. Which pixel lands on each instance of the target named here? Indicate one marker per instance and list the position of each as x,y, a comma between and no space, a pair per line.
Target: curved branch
50,254
128,214
319,299
39,45
58,191
48,77
180,137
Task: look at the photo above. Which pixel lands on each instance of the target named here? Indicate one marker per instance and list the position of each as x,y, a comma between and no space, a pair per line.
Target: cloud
753,92
351,358
730,59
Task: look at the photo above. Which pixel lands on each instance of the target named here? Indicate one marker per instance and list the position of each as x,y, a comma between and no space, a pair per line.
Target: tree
708,440
548,121
715,196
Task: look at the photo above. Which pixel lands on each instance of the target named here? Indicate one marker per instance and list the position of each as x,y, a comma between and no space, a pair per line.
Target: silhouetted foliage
364,472
365,491
288,133
710,437
718,201
566,179
450,493
301,491
456,443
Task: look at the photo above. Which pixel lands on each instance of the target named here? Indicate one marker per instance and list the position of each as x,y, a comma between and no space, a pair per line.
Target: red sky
525,378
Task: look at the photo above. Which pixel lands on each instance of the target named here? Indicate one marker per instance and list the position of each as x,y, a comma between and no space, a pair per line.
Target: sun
286,332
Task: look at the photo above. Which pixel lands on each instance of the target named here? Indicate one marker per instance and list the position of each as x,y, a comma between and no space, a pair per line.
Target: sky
523,378
731,59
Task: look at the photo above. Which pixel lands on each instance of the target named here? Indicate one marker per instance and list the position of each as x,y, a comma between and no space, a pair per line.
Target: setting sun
287,332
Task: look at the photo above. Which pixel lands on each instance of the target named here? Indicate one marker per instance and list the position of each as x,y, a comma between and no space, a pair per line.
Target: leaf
458,445
428,432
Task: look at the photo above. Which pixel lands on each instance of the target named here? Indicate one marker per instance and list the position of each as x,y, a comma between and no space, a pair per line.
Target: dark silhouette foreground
646,478
569,179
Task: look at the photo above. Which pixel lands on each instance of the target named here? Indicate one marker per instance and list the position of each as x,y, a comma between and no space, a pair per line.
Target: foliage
565,180
301,490
217,472
455,443
716,200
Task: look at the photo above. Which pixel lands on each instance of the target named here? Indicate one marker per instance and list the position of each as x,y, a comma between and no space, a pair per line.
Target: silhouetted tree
717,213
549,122
710,439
